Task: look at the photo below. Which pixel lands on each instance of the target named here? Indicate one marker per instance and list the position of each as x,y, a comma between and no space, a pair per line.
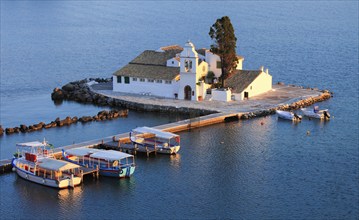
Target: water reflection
175,161
70,200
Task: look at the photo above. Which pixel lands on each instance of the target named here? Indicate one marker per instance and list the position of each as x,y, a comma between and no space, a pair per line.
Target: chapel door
187,93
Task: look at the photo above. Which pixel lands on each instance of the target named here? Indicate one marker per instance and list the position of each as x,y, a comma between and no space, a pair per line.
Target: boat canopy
56,165
110,155
82,151
32,144
157,132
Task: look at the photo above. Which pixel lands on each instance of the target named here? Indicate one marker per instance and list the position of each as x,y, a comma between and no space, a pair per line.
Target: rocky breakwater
288,107
80,91
101,116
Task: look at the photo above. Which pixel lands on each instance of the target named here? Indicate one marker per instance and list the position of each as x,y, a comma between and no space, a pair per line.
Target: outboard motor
297,117
326,115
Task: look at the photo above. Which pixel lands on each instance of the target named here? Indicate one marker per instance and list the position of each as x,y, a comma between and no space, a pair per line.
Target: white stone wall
146,88
190,80
173,63
221,95
212,60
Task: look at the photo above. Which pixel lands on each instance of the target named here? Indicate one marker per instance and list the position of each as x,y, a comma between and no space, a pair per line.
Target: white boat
34,163
109,162
316,113
288,115
148,139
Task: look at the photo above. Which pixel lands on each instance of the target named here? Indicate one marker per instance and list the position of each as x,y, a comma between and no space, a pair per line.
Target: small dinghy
288,115
316,113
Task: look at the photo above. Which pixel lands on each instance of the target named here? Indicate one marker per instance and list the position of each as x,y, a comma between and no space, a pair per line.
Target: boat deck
128,148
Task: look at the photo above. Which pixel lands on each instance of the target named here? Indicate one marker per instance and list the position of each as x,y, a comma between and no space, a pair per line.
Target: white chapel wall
148,88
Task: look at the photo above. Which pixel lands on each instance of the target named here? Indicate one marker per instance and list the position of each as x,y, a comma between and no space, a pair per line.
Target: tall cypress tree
222,33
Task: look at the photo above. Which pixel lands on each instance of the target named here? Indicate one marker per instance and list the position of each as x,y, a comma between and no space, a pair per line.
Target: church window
127,80
188,65
219,64
118,79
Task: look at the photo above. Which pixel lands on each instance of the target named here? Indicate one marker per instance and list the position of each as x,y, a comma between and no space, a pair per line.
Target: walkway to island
280,97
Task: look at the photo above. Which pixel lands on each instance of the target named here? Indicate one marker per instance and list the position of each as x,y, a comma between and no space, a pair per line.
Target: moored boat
36,166
145,139
316,113
288,115
109,162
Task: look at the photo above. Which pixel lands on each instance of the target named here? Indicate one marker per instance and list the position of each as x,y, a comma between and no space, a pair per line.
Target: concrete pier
282,97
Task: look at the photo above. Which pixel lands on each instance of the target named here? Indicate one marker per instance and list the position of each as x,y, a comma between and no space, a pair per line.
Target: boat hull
65,183
288,115
167,150
311,114
120,173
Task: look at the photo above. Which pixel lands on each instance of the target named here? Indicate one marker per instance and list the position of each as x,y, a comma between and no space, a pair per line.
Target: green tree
222,33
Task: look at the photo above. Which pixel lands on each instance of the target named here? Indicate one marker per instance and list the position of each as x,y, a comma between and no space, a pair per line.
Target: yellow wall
262,84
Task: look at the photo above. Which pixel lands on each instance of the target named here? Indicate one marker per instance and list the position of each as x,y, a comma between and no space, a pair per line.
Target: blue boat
109,162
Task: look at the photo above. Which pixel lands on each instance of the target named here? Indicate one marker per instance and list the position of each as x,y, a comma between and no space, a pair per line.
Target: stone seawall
80,91
101,116
288,107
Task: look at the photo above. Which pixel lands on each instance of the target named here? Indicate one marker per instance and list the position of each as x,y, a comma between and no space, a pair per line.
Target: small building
181,73
248,83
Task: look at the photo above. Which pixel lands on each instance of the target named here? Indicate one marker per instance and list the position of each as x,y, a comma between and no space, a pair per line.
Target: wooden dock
112,141
5,166
86,171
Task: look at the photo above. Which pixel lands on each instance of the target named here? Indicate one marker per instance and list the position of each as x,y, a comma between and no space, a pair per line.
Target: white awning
157,132
56,165
32,144
110,155
82,151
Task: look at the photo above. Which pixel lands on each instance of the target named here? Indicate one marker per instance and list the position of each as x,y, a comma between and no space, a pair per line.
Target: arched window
188,65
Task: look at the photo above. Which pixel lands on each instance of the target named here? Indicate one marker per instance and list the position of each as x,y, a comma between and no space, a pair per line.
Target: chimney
267,71
261,68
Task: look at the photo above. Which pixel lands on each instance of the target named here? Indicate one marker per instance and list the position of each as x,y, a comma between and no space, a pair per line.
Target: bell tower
188,73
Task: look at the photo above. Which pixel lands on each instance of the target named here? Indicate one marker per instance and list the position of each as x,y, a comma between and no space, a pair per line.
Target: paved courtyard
280,95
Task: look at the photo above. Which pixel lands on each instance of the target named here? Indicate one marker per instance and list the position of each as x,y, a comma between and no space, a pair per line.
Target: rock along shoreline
101,116
81,92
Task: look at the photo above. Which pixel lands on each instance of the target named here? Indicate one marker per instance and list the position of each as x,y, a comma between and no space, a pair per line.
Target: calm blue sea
237,170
